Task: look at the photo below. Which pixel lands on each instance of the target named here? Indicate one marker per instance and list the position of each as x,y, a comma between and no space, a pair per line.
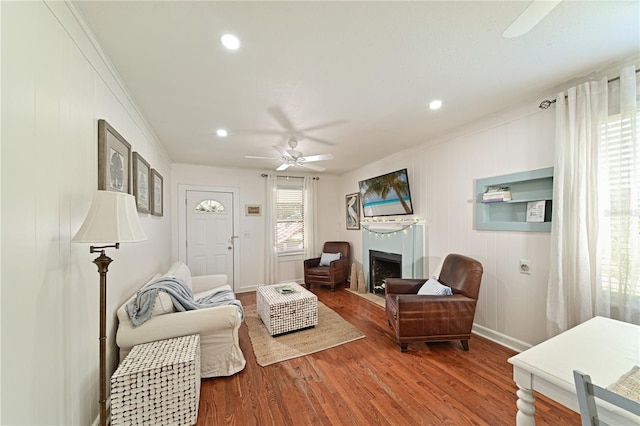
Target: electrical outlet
525,266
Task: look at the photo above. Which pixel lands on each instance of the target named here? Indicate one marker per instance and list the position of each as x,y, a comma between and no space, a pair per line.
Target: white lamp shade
112,218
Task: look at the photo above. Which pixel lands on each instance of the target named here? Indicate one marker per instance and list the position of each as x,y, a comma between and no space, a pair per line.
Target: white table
603,348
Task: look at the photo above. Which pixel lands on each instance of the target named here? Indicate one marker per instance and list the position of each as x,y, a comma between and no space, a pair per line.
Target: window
210,206
290,216
620,267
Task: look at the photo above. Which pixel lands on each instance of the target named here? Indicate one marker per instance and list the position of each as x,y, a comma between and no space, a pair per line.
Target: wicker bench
158,383
282,313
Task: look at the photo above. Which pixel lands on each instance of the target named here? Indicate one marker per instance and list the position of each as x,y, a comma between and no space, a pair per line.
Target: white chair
587,392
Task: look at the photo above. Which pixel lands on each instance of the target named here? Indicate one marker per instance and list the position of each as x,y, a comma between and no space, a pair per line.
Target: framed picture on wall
114,160
157,197
353,210
141,174
253,210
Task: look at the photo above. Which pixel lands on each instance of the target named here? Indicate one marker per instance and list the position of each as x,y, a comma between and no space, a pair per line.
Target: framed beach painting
114,160
157,198
141,174
353,211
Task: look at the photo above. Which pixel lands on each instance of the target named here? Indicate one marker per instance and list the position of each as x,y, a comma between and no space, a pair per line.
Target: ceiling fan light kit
292,157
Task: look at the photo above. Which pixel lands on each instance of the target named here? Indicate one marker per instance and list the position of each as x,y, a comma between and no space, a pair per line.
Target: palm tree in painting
383,184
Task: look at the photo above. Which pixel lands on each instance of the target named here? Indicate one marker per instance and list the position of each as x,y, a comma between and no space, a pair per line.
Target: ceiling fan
288,129
530,17
292,157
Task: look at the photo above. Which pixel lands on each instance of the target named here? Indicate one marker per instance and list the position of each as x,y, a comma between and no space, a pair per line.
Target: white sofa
220,353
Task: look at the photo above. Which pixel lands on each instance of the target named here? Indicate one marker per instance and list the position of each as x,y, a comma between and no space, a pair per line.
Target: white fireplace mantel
400,237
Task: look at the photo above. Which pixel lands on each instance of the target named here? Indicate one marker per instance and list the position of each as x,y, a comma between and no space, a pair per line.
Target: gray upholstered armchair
335,273
423,318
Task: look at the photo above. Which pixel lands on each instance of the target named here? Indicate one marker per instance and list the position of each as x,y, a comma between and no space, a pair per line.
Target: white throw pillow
163,303
433,287
180,271
327,258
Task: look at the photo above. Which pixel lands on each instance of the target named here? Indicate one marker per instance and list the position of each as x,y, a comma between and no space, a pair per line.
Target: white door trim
182,223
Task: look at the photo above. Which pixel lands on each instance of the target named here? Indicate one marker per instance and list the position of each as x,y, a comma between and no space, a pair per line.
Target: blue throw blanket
140,308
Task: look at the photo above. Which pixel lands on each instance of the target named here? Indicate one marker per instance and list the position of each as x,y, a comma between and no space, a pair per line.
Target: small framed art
539,211
141,174
114,160
253,209
157,197
353,211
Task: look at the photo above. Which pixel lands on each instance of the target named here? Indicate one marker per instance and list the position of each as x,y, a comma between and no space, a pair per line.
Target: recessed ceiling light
230,41
221,132
435,104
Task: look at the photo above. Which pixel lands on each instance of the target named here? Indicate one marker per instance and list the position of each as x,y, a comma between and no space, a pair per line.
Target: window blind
623,209
289,216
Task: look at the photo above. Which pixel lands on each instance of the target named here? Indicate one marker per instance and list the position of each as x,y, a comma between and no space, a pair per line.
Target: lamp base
102,262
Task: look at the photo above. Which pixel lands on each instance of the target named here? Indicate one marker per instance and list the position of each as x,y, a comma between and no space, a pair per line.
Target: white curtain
310,216
581,231
573,269
271,258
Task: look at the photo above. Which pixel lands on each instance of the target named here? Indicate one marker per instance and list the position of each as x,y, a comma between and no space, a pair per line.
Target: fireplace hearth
383,265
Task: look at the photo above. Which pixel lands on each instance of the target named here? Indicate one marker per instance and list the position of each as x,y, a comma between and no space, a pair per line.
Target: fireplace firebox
383,265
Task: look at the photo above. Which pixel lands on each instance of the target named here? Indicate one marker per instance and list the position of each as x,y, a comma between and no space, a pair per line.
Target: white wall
55,87
511,306
251,187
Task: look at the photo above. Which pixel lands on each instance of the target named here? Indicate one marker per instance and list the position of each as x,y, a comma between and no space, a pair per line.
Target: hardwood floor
369,381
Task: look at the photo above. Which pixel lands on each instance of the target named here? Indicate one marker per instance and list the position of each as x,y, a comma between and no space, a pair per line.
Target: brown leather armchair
422,318
334,274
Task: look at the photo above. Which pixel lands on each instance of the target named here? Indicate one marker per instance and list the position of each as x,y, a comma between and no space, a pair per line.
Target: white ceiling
353,79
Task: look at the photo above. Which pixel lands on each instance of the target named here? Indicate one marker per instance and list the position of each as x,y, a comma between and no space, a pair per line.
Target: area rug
331,331
370,297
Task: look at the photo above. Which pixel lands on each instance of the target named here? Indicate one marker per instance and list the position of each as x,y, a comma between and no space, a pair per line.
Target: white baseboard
499,338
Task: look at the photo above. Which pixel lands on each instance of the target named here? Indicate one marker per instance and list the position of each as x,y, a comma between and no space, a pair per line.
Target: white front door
209,232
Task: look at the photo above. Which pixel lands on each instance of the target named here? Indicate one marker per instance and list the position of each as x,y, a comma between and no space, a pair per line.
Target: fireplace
403,240
383,265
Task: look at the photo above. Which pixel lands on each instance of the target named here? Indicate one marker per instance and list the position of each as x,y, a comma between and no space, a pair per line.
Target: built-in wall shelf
534,185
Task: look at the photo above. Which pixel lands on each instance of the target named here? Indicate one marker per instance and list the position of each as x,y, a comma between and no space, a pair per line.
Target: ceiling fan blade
262,158
312,166
283,166
531,16
281,151
323,125
258,132
281,118
311,138
321,157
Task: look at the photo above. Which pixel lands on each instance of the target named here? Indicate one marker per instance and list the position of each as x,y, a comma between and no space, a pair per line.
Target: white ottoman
158,383
282,313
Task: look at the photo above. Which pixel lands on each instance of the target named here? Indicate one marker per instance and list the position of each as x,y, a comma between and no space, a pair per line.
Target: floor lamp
112,219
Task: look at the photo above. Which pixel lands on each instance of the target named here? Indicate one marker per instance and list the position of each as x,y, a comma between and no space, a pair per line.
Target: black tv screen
386,195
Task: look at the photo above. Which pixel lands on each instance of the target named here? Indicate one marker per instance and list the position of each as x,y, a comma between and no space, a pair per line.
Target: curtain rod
290,177
547,103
